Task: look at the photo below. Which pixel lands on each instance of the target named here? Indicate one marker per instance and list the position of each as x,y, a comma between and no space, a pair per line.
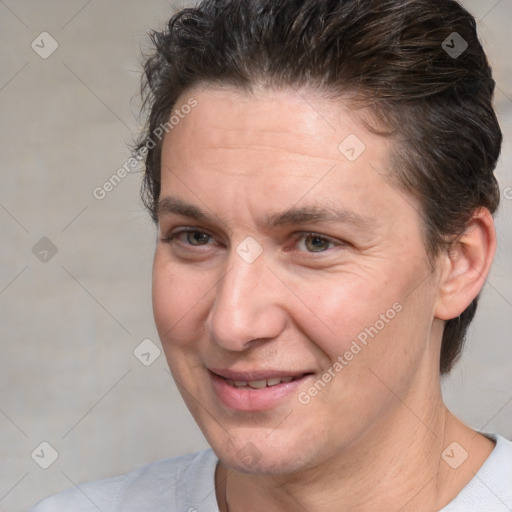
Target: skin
372,438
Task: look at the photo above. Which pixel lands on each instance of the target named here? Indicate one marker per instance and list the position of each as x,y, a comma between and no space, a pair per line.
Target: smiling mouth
256,390
262,383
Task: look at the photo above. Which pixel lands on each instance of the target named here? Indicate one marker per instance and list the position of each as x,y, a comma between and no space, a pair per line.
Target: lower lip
254,400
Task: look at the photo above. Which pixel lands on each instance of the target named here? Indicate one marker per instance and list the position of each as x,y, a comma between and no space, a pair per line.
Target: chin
253,454
265,464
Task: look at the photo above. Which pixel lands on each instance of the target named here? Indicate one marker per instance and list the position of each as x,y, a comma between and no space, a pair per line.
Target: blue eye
192,237
316,243
307,242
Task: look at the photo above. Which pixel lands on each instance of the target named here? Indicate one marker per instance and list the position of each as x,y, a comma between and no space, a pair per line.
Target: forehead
279,126
286,147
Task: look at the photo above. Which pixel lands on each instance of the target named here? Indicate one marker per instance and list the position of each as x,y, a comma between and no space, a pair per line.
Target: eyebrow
172,205
313,214
293,216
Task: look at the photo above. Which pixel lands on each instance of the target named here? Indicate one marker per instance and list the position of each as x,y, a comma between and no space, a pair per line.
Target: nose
248,306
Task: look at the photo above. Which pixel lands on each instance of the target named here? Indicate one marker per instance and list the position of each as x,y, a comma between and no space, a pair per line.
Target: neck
395,465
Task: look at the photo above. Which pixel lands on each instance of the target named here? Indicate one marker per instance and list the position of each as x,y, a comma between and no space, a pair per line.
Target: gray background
69,325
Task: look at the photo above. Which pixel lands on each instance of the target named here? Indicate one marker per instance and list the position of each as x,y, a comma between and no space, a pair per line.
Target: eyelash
303,235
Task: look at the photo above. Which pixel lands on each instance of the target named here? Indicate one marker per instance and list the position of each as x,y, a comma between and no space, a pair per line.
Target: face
291,288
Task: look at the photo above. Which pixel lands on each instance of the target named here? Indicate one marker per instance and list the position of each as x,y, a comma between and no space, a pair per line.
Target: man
321,175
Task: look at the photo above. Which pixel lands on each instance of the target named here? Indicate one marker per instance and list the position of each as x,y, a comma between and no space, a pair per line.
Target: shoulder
491,488
180,483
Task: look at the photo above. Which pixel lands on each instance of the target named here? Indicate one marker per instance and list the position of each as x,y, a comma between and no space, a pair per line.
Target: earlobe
466,266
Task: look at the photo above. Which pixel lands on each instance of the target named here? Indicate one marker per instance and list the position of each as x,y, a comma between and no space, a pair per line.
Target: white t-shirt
186,484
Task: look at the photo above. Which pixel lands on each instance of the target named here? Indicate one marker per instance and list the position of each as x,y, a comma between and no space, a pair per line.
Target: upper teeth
259,384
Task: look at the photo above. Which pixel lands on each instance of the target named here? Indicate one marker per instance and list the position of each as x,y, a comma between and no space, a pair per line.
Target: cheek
347,304
366,317
177,297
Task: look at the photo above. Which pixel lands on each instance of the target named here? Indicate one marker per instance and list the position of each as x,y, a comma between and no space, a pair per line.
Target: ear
465,266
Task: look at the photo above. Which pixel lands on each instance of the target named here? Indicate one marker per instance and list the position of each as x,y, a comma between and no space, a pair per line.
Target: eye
316,243
189,237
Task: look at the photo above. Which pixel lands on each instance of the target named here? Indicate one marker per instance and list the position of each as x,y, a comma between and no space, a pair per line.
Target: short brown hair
400,56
